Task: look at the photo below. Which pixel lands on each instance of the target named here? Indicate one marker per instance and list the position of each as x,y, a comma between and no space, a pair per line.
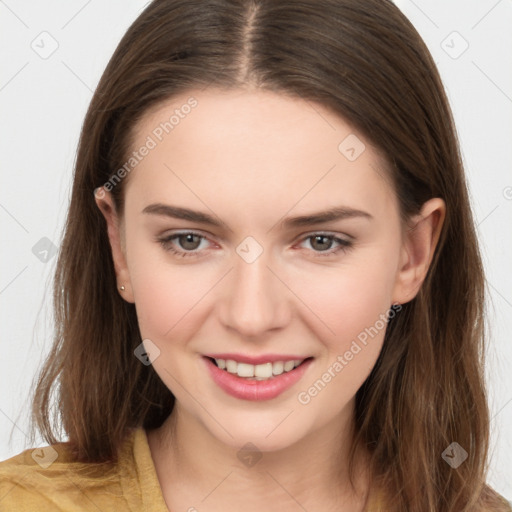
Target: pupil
322,237
188,240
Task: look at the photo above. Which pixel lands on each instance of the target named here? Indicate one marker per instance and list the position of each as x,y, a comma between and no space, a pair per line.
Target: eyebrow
332,214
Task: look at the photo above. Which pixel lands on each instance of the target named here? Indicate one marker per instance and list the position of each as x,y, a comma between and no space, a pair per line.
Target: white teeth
289,365
277,367
246,370
262,370
231,366
259,371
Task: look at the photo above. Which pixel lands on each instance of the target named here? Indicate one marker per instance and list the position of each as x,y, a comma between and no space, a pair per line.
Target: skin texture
251,158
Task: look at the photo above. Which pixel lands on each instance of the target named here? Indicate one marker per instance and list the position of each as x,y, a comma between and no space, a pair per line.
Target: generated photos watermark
305,397
157,135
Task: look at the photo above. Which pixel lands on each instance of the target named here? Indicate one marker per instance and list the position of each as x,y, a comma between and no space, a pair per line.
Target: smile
263,371
262,380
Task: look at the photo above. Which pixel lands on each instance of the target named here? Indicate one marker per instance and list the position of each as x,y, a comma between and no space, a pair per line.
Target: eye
189,243
321,244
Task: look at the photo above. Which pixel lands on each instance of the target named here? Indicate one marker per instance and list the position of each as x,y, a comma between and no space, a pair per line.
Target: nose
256,301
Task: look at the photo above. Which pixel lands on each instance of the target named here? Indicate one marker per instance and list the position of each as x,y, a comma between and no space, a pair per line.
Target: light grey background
43,99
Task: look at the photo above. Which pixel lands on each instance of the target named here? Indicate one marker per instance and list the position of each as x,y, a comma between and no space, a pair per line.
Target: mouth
262,371
262,381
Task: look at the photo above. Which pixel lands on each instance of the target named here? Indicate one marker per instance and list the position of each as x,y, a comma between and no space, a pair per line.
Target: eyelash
166,244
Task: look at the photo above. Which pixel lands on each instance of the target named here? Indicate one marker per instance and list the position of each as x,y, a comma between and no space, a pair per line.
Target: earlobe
420,241
106,205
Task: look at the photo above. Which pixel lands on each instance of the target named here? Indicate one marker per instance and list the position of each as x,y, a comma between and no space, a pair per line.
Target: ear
419,242
105,203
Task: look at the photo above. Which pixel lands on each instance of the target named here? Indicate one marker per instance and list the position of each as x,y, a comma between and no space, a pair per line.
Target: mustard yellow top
47,480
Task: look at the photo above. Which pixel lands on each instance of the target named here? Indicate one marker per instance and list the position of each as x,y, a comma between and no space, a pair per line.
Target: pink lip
255,389
240,358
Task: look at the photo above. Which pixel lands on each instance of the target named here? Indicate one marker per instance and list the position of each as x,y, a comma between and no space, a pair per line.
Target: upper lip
265,358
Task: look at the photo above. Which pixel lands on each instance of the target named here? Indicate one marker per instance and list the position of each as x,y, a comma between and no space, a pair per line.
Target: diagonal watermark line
192,307
14,423
13,218
198,402
13,13
216,486
75,15
213,213
84,493
499,294
12,280
77,76
492,81
144,7
14,76
316,111
286,491
209,84
16,483
488,215
275,224
28,469
424,14
384,178
279,423
501,408
333,333
486,14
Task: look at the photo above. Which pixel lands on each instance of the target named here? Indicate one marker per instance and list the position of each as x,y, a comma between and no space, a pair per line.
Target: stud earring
121,288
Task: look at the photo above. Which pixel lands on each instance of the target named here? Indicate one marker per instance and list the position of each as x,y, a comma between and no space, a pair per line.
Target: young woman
273,300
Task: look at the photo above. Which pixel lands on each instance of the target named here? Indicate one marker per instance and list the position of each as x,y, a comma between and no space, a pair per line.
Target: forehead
256,147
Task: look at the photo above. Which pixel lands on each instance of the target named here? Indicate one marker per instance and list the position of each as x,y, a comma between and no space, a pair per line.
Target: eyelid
344,243
169,237
334,234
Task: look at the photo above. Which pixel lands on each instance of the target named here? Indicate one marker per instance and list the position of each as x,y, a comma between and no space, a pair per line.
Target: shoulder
49,477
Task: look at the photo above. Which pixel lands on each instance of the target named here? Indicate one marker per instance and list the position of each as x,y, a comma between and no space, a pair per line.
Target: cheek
167,295
348,299
353,307
168,302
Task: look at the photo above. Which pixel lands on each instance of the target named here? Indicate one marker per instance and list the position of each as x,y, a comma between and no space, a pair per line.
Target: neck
195,468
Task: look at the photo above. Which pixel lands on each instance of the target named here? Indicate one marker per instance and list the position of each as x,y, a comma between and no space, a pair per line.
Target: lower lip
255,390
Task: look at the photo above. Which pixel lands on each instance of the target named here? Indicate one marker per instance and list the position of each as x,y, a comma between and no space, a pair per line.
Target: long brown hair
365,61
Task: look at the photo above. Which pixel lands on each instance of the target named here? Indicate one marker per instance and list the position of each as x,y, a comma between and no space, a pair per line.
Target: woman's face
224,257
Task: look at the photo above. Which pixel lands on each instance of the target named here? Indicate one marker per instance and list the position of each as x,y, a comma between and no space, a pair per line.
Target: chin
274,431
